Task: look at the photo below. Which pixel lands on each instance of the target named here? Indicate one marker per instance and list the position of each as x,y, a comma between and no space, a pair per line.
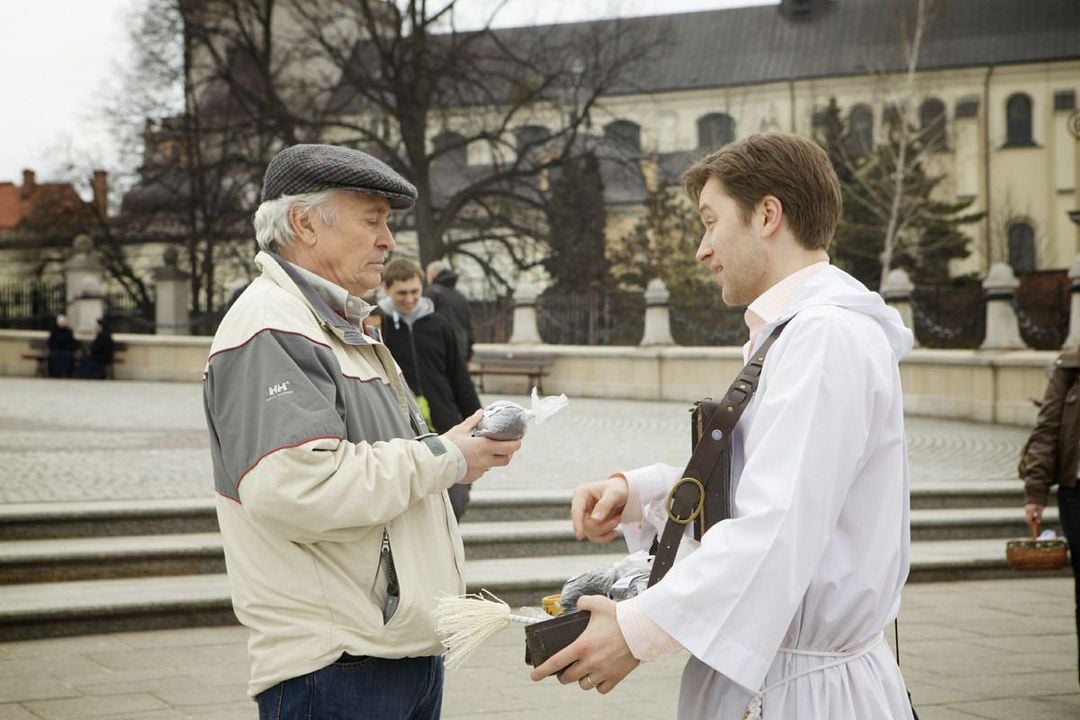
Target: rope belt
753,709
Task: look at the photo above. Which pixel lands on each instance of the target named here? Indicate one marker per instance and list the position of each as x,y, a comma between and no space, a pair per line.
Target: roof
51,205
755,45
761,44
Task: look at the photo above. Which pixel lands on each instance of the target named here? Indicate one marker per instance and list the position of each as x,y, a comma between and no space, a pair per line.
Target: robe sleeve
731,602
646,484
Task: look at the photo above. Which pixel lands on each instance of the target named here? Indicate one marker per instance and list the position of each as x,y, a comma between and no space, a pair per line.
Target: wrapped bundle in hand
505,420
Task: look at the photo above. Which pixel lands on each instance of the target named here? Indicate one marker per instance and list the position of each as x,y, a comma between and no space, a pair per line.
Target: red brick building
43,209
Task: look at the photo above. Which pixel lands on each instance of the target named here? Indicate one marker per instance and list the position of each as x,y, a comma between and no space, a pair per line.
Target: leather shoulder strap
704,492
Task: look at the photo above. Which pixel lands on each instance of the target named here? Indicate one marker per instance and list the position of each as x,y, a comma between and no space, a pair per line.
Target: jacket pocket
386,588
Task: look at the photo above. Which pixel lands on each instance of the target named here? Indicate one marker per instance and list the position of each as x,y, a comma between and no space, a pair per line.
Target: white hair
273,229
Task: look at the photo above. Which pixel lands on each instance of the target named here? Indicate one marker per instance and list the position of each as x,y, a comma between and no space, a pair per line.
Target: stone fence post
171,313
657,315
85,280
1002,325
897,290
1072,341
525,331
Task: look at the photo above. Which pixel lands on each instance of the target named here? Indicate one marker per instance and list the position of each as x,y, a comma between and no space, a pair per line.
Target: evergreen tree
929,232
576,221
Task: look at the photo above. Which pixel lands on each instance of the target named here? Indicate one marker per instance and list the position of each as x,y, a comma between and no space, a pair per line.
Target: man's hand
1033,513
599,658
481,454
597,508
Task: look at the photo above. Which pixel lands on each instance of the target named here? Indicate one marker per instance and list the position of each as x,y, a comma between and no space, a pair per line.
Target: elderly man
331,491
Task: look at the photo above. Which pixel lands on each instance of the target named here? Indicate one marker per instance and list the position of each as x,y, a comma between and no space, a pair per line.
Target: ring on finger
587,683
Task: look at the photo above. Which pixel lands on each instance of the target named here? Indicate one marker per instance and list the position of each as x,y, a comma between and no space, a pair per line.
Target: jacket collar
284,274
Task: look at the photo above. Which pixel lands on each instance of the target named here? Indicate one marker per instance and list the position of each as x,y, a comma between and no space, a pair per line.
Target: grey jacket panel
282,389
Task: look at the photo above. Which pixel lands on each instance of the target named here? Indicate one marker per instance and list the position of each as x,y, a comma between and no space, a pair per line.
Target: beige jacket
316,459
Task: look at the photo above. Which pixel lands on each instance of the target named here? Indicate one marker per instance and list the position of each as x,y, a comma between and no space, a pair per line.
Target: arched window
1018,121
530,137
450,148
1022,247
624,133
715,130
932,124
861,130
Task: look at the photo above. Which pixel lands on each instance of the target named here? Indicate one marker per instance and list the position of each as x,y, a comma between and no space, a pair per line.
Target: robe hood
833,286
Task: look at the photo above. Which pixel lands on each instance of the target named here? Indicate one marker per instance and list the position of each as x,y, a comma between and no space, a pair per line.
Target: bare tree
475,119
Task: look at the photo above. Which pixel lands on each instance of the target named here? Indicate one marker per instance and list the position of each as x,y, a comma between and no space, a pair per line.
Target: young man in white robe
783,606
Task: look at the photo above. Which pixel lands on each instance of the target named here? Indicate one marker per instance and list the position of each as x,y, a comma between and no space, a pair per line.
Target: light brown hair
400,269
793,169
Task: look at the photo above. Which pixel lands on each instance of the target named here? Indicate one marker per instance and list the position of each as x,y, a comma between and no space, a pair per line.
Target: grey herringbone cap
310,168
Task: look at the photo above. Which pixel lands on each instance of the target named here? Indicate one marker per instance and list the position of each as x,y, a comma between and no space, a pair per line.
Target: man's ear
772,215
301,224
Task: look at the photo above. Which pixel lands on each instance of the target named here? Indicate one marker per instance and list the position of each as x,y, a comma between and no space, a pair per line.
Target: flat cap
311,168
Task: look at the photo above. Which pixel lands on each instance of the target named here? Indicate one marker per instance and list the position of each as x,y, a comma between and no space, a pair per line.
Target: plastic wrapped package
506,420
620,581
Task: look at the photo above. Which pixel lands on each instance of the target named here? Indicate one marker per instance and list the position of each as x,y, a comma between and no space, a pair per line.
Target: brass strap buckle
697,509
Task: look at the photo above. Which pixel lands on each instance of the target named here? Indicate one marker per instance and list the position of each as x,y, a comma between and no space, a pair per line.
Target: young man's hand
600,658
481,454
597,508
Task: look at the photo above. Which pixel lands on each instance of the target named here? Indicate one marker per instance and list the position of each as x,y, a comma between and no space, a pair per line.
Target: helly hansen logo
278,390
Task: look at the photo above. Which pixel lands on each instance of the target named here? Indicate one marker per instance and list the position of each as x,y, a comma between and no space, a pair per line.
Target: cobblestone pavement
87,440
998,650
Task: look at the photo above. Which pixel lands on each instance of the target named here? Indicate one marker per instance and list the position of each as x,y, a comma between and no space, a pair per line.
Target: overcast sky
59,57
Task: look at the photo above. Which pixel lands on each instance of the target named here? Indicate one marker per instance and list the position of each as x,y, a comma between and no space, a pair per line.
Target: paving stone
1002,648
95,707
14,711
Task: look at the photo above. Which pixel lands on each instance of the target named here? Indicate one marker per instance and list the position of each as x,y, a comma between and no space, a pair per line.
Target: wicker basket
1032,554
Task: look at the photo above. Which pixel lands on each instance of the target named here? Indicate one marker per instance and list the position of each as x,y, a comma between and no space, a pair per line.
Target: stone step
19,521
99,558
93,606
86,558
26,521
957,494
975,523
502,505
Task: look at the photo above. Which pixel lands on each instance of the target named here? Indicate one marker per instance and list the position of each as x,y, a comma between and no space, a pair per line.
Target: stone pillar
525,331
171,313
897,290
1002,325
85,295
1072,342
657,316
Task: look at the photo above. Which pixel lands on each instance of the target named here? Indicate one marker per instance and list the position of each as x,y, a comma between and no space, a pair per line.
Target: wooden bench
531,366
39,354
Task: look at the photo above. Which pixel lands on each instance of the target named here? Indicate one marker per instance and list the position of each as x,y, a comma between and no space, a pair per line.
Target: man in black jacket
423,344
451,304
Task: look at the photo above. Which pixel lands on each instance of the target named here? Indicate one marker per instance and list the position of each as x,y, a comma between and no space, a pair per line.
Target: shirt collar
339,299
772,303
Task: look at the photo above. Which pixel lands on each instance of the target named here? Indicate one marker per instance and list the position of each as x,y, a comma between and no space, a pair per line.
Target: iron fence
127,316
591,318
31,304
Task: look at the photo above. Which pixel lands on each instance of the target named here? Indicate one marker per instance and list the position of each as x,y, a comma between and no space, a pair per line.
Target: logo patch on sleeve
278,390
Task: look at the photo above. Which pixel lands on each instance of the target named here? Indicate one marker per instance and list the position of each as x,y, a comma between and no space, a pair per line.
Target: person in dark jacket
98,354
62,347
1049,459
450,303
424,345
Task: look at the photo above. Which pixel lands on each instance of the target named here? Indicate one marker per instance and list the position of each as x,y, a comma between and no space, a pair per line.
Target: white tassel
464,623
753,710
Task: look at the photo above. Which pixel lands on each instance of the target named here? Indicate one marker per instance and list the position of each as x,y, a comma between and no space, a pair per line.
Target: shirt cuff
645,639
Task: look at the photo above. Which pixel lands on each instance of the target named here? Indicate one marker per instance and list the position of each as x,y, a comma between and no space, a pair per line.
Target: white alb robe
817,551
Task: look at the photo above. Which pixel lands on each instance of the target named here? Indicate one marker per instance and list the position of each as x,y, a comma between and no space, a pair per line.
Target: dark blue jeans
359,688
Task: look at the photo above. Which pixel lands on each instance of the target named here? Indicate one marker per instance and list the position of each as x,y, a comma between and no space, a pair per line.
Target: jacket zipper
393,590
